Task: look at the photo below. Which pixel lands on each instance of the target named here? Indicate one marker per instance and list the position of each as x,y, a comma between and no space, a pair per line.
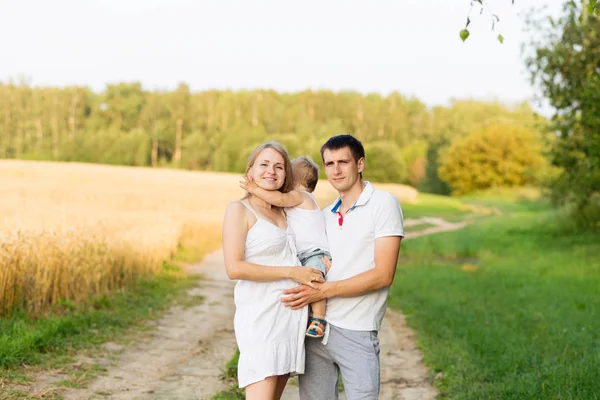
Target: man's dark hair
341,141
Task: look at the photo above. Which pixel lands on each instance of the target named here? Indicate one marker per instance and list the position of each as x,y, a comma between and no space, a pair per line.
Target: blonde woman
260,252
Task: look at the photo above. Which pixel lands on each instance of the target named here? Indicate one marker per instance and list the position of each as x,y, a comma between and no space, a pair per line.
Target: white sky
411,46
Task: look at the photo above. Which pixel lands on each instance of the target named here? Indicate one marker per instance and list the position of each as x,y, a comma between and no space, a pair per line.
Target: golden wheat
73,231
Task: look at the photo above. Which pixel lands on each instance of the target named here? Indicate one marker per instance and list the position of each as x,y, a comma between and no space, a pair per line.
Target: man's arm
274,197
386,257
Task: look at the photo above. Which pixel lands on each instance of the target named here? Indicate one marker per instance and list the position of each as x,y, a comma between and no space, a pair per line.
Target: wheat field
73,231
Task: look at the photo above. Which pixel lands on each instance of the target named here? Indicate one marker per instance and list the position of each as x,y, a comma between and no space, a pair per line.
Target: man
364,229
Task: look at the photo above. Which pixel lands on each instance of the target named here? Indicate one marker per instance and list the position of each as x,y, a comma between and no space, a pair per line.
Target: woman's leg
281,382
263,390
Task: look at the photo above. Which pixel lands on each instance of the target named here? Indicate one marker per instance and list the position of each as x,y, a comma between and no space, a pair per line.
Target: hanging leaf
592,6
464,34
501,39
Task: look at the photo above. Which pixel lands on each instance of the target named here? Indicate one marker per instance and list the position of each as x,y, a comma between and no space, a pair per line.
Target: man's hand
248,184
303,295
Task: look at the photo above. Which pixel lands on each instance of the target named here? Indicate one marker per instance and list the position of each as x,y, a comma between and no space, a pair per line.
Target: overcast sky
410,46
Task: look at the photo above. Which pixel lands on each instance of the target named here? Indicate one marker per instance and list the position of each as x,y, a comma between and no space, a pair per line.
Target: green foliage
414,157
384,163
121,105
565,64
215,130
506,308
501,155
462,118
234,392
197,151
483,6
131,148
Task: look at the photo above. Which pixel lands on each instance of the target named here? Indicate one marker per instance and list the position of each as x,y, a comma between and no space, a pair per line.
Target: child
305,218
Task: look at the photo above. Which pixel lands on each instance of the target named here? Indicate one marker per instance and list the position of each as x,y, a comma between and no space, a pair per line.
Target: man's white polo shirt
352,243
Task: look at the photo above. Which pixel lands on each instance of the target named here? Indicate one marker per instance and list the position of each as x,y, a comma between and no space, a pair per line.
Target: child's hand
327,262
248,184
307,275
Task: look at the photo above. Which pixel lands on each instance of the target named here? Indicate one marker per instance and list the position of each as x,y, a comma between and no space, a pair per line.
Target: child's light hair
306,172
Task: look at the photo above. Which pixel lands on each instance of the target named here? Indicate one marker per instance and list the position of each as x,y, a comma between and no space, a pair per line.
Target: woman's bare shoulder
237,211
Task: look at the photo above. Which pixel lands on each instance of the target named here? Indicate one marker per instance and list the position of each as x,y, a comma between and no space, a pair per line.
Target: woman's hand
248,184
306,276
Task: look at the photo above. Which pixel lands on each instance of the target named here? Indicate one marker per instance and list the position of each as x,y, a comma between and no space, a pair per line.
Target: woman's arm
235,230
274,197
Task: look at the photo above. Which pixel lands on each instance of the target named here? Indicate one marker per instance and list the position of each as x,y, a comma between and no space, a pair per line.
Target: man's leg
320,378
357,354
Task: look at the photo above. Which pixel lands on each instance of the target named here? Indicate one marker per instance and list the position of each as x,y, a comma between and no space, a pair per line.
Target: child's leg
316,327
318,309
317,323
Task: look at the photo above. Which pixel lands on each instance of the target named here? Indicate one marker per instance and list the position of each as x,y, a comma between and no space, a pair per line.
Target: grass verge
429,205
230,375
28,345
507,308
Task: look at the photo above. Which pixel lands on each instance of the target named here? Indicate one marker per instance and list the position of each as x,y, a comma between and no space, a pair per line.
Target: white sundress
269,335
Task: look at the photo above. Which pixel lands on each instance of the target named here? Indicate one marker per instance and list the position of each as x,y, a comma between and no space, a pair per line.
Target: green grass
51,342
487,202
507,308
418,227
428,205
509,199
230,374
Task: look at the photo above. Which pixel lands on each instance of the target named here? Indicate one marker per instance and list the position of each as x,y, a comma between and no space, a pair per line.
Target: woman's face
268,171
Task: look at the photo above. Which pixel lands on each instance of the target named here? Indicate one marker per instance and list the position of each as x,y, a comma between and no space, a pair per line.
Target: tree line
564,62
216,130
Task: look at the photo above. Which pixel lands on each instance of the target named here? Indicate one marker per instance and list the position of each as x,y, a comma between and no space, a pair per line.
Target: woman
260,252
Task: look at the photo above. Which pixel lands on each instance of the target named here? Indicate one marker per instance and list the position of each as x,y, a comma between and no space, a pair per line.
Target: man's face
342,170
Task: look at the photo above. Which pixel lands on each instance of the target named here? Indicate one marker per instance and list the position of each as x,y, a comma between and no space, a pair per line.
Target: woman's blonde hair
288,183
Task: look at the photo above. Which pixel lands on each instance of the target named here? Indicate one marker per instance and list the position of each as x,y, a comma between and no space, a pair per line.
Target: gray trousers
353,353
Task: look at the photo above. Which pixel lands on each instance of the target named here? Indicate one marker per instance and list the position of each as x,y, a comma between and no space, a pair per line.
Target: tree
592,6
462,118
384,163
565,65
122,104
178,104
498,156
